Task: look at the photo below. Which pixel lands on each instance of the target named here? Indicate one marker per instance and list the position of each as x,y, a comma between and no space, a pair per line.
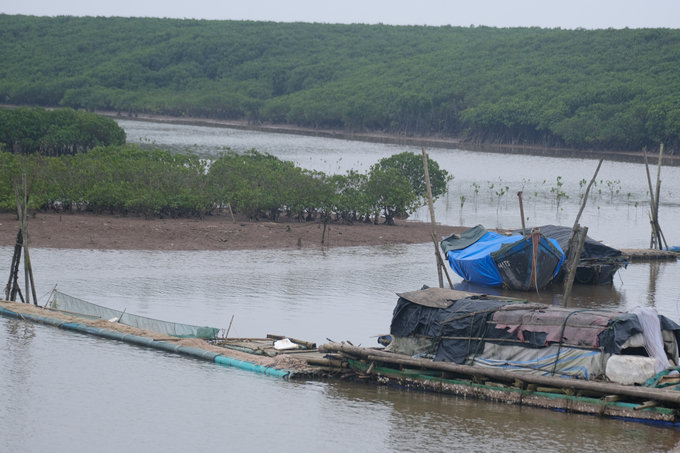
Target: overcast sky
496,13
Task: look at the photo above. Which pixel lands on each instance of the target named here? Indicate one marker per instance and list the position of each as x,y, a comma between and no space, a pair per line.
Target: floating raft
375,365
571,395
650,255
284,366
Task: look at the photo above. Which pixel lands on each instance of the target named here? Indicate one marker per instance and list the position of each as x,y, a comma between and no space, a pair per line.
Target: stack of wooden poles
12,289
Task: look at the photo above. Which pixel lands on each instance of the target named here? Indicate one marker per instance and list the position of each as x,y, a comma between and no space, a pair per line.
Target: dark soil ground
217,232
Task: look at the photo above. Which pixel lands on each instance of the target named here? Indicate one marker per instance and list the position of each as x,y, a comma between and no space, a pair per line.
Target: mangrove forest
597,89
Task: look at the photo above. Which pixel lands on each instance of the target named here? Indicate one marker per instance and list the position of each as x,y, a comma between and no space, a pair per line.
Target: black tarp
591,248
463,320
459,326
621,329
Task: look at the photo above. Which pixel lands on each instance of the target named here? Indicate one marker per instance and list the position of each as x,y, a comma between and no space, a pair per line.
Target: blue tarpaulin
475,264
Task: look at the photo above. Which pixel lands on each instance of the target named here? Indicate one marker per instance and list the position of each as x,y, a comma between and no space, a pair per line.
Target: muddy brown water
64,391
59,385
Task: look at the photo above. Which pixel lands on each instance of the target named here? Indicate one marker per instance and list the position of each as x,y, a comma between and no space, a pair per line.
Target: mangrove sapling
611,185
559,194
500,195
581,184
476,192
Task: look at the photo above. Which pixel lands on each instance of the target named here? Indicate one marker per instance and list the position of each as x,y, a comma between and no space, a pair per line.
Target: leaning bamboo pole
658,196
521,213
573,258
373,355
440,263
572,269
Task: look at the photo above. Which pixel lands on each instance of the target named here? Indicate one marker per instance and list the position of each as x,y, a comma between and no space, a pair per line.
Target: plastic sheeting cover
591,248
466,328
68,303
475,263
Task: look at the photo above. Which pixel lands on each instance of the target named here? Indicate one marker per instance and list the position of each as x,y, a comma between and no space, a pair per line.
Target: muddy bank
217,232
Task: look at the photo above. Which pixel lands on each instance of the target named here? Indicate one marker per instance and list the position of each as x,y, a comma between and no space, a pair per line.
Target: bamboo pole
434,224
440,261
658,196
585,198
521,213
231,212
227,334
572,270
22,213
306,344
10,289
24,231
30,275
669,396
655,232
572,257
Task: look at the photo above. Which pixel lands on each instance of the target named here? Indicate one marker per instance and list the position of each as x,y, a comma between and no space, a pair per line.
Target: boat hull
528,264
489,259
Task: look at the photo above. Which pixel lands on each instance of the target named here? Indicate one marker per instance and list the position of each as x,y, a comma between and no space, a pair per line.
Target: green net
78,307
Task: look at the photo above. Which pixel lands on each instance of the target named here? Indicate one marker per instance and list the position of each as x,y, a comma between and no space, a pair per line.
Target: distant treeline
126,180
613,89
53,133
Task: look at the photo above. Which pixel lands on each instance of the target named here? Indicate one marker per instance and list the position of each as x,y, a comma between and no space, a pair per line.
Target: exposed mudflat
217,232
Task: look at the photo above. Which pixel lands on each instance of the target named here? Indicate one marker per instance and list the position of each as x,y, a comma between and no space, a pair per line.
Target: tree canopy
61,131
128,180
614,89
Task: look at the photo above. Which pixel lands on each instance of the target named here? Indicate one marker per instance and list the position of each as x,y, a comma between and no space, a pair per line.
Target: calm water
69,392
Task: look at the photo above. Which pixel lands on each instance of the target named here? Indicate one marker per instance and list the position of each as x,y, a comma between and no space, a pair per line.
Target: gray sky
496,13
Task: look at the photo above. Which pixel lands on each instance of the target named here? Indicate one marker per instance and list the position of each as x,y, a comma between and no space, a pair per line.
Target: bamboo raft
650,255
572,395
376,366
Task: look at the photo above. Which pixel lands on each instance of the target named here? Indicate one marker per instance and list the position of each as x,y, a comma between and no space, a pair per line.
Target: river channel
65,391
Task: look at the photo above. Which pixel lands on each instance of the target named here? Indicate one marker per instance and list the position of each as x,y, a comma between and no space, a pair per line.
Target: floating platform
571,395
376,366
650,255
282,366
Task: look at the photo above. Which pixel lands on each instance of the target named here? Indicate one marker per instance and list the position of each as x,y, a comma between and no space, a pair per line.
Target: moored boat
598,262
491,259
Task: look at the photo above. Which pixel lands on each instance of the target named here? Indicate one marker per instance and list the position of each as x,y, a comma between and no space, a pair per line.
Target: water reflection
15,393
418,421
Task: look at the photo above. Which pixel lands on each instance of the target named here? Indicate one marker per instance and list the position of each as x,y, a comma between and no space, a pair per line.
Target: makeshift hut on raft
492,332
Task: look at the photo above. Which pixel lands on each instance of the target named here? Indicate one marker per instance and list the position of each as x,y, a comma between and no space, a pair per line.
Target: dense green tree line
616,89
127,180
61,131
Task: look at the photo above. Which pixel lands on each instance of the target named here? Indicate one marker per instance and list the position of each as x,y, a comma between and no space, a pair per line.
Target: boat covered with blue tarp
491,259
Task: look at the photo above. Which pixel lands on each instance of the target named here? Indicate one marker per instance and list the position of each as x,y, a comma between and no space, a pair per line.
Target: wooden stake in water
232,320
572,269
521,213
434,224
573,257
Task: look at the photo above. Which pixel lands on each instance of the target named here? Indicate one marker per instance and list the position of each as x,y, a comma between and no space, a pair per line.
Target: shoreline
214,232
386,138
381,137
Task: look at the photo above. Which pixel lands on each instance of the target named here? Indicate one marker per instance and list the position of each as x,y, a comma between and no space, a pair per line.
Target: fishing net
74,306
